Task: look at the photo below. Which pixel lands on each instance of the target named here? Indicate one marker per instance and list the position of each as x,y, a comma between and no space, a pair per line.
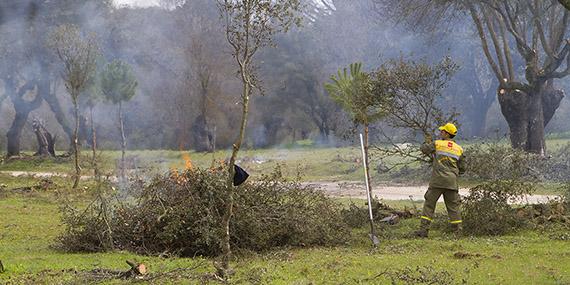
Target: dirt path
344,189
40,174
349,189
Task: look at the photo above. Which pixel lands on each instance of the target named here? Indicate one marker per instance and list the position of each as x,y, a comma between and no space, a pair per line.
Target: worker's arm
428,147
462,165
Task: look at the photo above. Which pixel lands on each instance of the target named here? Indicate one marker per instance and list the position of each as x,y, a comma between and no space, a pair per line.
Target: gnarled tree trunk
23,109
527,114
15,133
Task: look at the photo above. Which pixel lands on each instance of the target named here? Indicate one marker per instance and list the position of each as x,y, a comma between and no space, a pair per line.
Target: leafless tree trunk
123,139
226,249
93,143
76,153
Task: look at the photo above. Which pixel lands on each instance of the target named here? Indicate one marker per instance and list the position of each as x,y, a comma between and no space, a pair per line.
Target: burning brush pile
181,214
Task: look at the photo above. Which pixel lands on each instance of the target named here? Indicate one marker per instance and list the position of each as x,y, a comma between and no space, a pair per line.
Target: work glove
428,138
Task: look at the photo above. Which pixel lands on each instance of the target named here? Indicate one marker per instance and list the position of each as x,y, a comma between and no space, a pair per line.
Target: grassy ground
30,225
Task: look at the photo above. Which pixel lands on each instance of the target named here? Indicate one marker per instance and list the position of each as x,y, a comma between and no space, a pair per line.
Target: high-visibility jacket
448,163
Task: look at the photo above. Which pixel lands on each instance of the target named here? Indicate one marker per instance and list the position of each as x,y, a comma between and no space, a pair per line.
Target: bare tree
204,71
537,31
249,26
78,55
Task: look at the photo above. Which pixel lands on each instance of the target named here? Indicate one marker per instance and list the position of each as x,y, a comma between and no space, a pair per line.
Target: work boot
457,230
423,231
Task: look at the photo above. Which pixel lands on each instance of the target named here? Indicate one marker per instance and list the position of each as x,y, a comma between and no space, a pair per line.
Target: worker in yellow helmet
448,164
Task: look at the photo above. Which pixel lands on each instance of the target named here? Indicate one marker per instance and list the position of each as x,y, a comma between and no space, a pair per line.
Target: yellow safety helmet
449,128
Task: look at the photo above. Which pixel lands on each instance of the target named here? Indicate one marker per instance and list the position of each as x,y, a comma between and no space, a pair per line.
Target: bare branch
481,32
539,29
493,34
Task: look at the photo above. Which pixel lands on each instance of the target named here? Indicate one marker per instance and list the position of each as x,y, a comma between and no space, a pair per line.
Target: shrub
486,210
493,161
565,190
496,161
557,166
509,175
181,213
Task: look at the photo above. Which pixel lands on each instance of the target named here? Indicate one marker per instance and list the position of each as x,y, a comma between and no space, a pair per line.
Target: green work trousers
452,202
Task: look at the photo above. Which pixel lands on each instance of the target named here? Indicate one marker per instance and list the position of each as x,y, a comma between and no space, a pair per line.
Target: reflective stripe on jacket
448,163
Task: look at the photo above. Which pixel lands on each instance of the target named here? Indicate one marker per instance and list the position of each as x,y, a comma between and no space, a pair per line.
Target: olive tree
249,26
118,85
78,54
531,32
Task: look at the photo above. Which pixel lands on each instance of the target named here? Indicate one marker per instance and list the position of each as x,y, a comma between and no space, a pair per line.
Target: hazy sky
139,3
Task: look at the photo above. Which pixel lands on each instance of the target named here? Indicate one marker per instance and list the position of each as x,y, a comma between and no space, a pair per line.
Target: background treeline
186,93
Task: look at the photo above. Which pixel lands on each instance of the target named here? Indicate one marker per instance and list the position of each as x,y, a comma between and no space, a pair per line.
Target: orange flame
187,161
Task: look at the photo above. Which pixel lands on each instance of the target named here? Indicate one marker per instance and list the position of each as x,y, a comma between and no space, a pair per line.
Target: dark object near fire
240,175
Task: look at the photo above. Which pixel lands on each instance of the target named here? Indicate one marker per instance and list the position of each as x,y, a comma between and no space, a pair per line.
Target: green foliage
181,213
421,275
31,223
486,210
500,161
565,189
354,93
78,55
509,174
92,93
118,82
415,90
495,161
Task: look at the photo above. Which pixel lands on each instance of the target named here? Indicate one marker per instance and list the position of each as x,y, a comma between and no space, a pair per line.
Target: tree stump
137,269
46,141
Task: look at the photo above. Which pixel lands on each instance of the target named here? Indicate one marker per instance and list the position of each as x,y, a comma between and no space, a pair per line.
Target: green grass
30,225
